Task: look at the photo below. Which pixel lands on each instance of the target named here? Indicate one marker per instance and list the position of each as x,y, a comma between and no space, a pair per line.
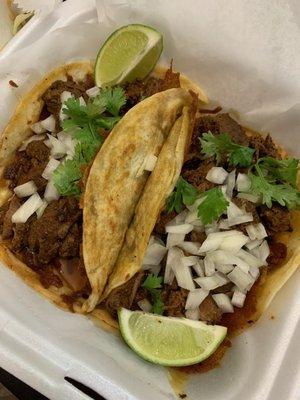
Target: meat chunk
38,150
163,219
197,237
70,244
47,233
278,253
275,219
209,311
264,146
49,278
174,301
7,225
250,208
197,177
20,164
124,295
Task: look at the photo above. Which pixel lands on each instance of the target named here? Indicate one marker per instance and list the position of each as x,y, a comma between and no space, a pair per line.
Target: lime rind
169,341
129,53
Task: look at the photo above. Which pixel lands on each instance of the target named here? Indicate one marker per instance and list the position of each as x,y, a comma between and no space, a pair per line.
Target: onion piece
217,175
223,302
254,272
230,183
242,280
50,168
32,138
195,298
93,92
193,314
58,149
238,298
37,128
256,231
173,239
145,305
183,228
51,192
249,196
25,190
232,239
49,123
234,243
249,258
209,266
27,209
227,258
211,228
174,254
183,275
233,210
252,244
264,251
150,162
211,282
243,183
190,247
224,268
223,224
179,219
240,219
40,211
68,142
82,101
154,254
189,261
199,268
194,206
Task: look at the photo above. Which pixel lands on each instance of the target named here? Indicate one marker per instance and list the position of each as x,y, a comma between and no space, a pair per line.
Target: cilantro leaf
285,170
66,178
213,205
222,145
153,283
114,99
183,194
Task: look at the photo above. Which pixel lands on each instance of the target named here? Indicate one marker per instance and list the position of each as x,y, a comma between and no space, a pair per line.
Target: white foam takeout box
244,54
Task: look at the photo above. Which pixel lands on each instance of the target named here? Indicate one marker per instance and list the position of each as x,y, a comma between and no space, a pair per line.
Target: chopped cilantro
222,145
83,124
153,283
183,194
285,170
213,205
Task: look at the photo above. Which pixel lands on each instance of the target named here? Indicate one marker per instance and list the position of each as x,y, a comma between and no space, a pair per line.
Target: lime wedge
169,341
130,52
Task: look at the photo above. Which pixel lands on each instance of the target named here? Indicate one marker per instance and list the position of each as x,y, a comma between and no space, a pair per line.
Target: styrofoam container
244,54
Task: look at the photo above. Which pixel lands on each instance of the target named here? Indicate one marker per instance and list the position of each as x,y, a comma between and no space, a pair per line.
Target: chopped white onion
253,243
174,254
37,128
211,282
211,228
249,258
232,240
193,314
254,272
179,219
154,254
233,210
82,101
256,231
49,123
189,261
145,305
93,92
27,209
264,251
58,149
150,162
233,243
209,266
223,224
25,190
224,268
255,252
223,302
194,206
183,228
238,298
217,175
41,209
243,183
51,192
69,143
199,268
32,138
230,183
195,298
249,196
227,258
183,275
50,168
190,247
173,239
242,280
192,218
240,219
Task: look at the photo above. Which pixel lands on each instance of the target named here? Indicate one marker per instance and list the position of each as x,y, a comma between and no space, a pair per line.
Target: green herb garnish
183,194
83,124
153,283
222,145
285,170
213,206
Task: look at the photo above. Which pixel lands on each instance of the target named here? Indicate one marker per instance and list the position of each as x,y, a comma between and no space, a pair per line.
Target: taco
61,228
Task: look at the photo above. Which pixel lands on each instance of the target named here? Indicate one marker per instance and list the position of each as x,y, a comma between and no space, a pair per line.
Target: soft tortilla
113,188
